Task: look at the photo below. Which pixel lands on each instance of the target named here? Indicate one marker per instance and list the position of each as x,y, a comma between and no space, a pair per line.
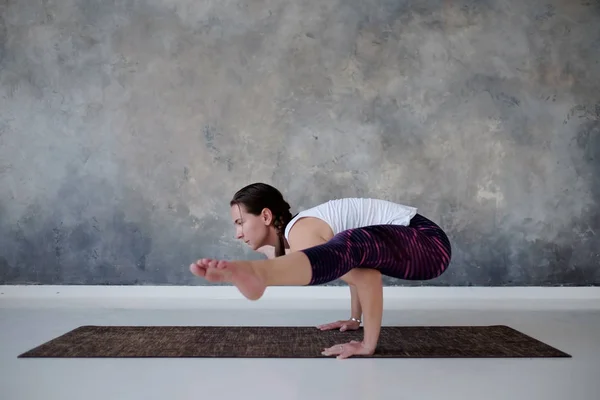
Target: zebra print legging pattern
419,251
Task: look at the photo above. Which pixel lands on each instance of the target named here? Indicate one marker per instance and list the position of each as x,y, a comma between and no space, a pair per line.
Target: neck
273,239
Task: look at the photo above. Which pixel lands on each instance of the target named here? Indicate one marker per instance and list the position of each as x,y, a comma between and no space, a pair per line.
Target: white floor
27,322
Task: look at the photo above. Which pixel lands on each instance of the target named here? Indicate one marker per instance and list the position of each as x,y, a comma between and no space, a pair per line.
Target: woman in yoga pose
356,240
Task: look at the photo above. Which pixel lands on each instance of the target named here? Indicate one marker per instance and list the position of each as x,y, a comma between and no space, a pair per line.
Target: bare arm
370,293
366,289
356,311
303,237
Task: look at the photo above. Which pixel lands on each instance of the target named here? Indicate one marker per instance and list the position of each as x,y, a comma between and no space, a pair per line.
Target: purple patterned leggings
419,251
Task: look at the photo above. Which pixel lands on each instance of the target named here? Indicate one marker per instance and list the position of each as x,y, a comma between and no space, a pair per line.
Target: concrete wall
126,126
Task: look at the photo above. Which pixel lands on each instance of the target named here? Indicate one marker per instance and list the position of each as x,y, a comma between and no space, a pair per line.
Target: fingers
342,351
350,326
342,325
346,353
332,325
333,350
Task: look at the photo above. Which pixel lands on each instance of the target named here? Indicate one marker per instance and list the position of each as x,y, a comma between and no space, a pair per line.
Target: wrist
356,319
370,340
369,346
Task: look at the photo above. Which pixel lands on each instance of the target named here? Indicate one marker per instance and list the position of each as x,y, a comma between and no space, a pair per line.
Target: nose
238,233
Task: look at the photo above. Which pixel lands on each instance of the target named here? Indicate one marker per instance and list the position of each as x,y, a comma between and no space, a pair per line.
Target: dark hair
258,196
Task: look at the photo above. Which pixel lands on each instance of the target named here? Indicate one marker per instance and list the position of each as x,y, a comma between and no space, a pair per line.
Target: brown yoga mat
289,342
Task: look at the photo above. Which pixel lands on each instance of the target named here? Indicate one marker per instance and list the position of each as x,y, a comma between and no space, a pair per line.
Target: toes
212,276
209,268
196,270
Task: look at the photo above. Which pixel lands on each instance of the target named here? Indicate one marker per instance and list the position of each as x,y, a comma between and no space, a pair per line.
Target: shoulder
306,229
305,233
301,216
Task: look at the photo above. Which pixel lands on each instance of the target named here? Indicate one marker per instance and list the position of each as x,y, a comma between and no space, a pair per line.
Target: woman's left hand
345,350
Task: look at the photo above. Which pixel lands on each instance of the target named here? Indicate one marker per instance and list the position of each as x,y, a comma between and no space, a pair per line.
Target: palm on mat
345,350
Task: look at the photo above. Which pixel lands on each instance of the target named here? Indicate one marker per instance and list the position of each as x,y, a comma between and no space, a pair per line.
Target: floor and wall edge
587,297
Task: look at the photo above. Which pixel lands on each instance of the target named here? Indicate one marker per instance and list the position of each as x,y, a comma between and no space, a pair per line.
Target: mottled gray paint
126,126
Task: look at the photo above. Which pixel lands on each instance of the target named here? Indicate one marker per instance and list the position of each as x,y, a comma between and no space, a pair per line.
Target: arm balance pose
356,240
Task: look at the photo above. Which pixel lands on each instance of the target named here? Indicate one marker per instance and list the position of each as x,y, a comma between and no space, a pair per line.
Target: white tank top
343,214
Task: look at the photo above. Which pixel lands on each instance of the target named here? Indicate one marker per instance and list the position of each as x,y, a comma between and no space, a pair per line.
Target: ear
267,216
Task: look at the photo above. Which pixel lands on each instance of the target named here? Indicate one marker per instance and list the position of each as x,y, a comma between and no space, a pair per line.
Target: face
254,230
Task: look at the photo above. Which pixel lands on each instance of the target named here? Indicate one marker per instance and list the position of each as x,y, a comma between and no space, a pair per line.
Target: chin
262,246
255,247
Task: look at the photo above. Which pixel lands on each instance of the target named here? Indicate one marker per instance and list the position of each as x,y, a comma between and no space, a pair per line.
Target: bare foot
239,273
198,270
199,267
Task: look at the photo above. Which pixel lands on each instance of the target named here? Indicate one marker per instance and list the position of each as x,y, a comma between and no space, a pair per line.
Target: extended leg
253,277
315,265
304,267
396,251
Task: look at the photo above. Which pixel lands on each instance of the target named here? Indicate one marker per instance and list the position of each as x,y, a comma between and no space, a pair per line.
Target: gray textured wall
126,126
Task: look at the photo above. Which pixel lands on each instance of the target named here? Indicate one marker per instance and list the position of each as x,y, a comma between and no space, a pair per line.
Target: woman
356,240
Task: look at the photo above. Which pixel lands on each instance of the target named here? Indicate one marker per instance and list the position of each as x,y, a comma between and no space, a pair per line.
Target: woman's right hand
348,325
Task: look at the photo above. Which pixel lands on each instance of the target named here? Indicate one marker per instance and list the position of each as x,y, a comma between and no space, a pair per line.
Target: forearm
370,295
356,309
